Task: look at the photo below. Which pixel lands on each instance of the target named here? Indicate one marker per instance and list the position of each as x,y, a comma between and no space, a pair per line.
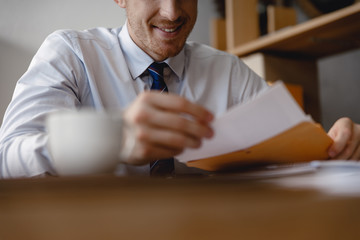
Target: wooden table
107,207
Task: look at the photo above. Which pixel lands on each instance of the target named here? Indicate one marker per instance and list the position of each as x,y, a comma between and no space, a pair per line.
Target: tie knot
156,71
157,68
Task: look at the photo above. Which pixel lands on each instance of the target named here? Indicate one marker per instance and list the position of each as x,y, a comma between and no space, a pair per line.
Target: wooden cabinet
291,54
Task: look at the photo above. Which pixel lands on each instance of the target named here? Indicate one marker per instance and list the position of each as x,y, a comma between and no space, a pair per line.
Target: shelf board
323,36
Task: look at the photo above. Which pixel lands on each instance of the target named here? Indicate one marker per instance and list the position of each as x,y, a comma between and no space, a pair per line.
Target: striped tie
161,167
156,71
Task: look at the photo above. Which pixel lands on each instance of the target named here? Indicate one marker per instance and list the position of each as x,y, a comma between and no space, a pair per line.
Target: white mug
87,142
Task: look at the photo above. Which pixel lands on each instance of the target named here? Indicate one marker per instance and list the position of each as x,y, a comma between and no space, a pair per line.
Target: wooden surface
280,17
242,23
218,34
326,35
183,208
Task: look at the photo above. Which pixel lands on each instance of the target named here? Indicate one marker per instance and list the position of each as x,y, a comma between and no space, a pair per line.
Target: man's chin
165,53
169,55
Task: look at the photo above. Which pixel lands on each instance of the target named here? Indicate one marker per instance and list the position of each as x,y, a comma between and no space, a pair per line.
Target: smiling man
115,69
160,28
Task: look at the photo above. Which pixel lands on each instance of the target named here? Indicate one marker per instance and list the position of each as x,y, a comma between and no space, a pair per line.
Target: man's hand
346,136
164,125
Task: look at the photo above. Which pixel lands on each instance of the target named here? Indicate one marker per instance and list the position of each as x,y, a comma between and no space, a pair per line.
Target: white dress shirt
105,70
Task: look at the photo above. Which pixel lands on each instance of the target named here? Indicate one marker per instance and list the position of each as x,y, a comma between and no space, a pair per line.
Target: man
107,69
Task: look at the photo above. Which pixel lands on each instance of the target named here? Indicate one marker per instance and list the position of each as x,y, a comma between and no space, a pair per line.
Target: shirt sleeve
250,85
50,83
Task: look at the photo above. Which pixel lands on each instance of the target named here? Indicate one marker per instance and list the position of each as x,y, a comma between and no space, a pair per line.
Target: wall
25,24
339,79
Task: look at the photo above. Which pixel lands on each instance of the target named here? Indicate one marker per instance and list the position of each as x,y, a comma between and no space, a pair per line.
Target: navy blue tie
156,71
163,167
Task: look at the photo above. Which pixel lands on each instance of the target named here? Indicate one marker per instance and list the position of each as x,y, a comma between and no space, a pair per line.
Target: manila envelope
304,142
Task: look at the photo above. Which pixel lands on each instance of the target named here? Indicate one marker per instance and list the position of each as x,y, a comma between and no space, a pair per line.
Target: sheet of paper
336,177
270,113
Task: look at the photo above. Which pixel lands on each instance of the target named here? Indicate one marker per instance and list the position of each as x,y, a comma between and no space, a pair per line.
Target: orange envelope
304,142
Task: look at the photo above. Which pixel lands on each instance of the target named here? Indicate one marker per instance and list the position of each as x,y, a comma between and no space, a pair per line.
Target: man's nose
170,9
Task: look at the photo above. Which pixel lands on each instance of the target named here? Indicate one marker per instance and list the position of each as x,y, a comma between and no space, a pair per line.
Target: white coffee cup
87,142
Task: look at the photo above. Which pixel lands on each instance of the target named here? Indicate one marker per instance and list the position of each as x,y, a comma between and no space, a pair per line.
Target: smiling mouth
169,29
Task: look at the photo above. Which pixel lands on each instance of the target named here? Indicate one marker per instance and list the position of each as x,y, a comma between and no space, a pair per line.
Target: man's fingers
147,113
175,103
342,134
164,125
352,149
356,140
165,138
348,150
176,122
356,154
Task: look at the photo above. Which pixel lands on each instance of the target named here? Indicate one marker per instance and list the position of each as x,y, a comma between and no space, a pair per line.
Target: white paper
270,113
336,177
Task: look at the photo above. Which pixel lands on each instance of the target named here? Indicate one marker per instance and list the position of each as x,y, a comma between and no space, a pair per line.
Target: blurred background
25,24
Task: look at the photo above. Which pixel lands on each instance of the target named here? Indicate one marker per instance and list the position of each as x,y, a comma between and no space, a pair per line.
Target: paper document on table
271,113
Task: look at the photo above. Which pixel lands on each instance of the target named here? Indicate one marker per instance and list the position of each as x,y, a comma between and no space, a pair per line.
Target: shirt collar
138,61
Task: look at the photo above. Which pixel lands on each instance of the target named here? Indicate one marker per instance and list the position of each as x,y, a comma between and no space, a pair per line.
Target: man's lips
169,29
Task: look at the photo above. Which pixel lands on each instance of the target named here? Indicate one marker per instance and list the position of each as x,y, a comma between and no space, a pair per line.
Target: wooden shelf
323,36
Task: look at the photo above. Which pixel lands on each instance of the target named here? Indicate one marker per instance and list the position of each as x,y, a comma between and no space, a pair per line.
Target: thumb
341,135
